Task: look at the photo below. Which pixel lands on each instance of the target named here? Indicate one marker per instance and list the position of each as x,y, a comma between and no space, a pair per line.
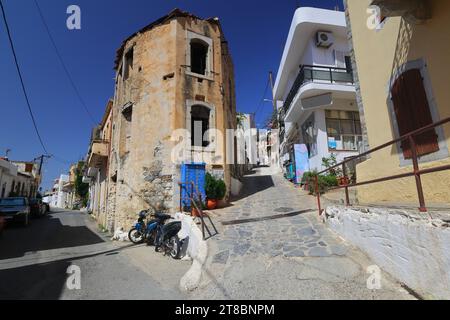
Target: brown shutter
412,112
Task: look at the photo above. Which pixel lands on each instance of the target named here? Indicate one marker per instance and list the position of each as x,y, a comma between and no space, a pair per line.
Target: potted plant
215,190
343,181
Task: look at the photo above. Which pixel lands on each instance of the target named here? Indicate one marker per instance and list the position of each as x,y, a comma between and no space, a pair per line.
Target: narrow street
34,263
272,246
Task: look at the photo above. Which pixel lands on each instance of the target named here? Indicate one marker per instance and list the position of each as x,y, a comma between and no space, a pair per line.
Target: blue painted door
192,173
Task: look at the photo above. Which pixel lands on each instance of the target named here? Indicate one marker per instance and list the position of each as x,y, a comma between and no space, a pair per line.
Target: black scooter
167,240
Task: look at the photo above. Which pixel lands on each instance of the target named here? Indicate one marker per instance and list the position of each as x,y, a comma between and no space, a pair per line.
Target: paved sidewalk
272,246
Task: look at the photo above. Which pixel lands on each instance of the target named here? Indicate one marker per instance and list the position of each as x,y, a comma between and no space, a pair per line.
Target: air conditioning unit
324,39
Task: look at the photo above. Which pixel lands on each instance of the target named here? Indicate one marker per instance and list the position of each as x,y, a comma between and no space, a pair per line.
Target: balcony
317,74
98,154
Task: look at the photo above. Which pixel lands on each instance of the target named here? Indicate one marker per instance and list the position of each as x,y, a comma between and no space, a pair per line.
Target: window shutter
412,112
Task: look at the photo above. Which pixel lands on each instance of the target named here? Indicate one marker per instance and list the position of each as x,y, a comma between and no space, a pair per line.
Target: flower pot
211,204
343,181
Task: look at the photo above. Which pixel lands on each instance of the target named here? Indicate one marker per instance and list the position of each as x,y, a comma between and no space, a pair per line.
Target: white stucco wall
61,195
411,247
10,175
250,138
313,55
322,141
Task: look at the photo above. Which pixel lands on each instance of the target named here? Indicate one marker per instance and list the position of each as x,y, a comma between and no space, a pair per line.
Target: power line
262,99
20,77
66,71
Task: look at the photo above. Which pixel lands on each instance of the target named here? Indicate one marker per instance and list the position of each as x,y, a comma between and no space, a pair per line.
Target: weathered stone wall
410,246
159,89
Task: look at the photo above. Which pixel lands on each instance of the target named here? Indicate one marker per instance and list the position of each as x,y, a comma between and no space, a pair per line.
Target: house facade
97,167
315,89
263,156
174,85
401,50
60,195
249,141
18,178
69,188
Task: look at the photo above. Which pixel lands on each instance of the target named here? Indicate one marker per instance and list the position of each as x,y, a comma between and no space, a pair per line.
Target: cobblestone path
272,245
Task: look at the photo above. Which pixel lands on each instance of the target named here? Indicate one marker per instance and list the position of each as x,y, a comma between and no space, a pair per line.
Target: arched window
199,56
199,125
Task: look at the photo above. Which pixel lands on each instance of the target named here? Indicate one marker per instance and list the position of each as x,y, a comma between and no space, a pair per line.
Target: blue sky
256,31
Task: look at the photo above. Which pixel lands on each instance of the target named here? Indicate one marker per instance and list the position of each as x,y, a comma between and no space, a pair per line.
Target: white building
250,139
18,179
263,157
59,197
315,88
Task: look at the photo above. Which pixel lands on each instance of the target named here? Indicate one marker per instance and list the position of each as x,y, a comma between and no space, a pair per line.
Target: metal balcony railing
321,74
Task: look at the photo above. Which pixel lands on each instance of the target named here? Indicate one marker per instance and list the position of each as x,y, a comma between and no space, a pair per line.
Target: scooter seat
162,216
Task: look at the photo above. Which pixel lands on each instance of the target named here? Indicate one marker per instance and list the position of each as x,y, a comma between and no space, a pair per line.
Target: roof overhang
305,23
316,96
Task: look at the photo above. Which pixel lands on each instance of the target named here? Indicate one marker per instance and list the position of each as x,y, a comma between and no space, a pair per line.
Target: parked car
37,207
15,209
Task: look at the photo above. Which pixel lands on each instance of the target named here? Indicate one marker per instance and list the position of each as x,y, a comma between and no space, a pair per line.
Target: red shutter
412,112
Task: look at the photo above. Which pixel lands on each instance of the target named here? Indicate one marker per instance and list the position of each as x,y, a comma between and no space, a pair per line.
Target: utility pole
41,162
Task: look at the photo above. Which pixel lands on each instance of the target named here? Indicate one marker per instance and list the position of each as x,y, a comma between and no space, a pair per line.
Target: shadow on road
254,184
43,281
40,281
44,234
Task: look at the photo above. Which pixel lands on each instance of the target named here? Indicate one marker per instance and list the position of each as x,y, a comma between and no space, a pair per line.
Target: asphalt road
34,263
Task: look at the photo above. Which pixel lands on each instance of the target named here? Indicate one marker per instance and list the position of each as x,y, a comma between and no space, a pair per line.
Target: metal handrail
200,210
417,172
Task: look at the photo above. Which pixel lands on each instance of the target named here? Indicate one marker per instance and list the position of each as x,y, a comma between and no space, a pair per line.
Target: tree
81,188
240,117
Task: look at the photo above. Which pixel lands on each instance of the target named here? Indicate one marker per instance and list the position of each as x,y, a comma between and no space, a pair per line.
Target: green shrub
329,162
221,189
215,188
324,182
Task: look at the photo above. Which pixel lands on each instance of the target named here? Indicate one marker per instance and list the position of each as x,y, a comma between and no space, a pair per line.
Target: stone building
175,73
97,167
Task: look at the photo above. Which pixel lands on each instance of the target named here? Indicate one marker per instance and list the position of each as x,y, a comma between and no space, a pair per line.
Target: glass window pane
333,114
333,127
347,127
349,143
345,115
